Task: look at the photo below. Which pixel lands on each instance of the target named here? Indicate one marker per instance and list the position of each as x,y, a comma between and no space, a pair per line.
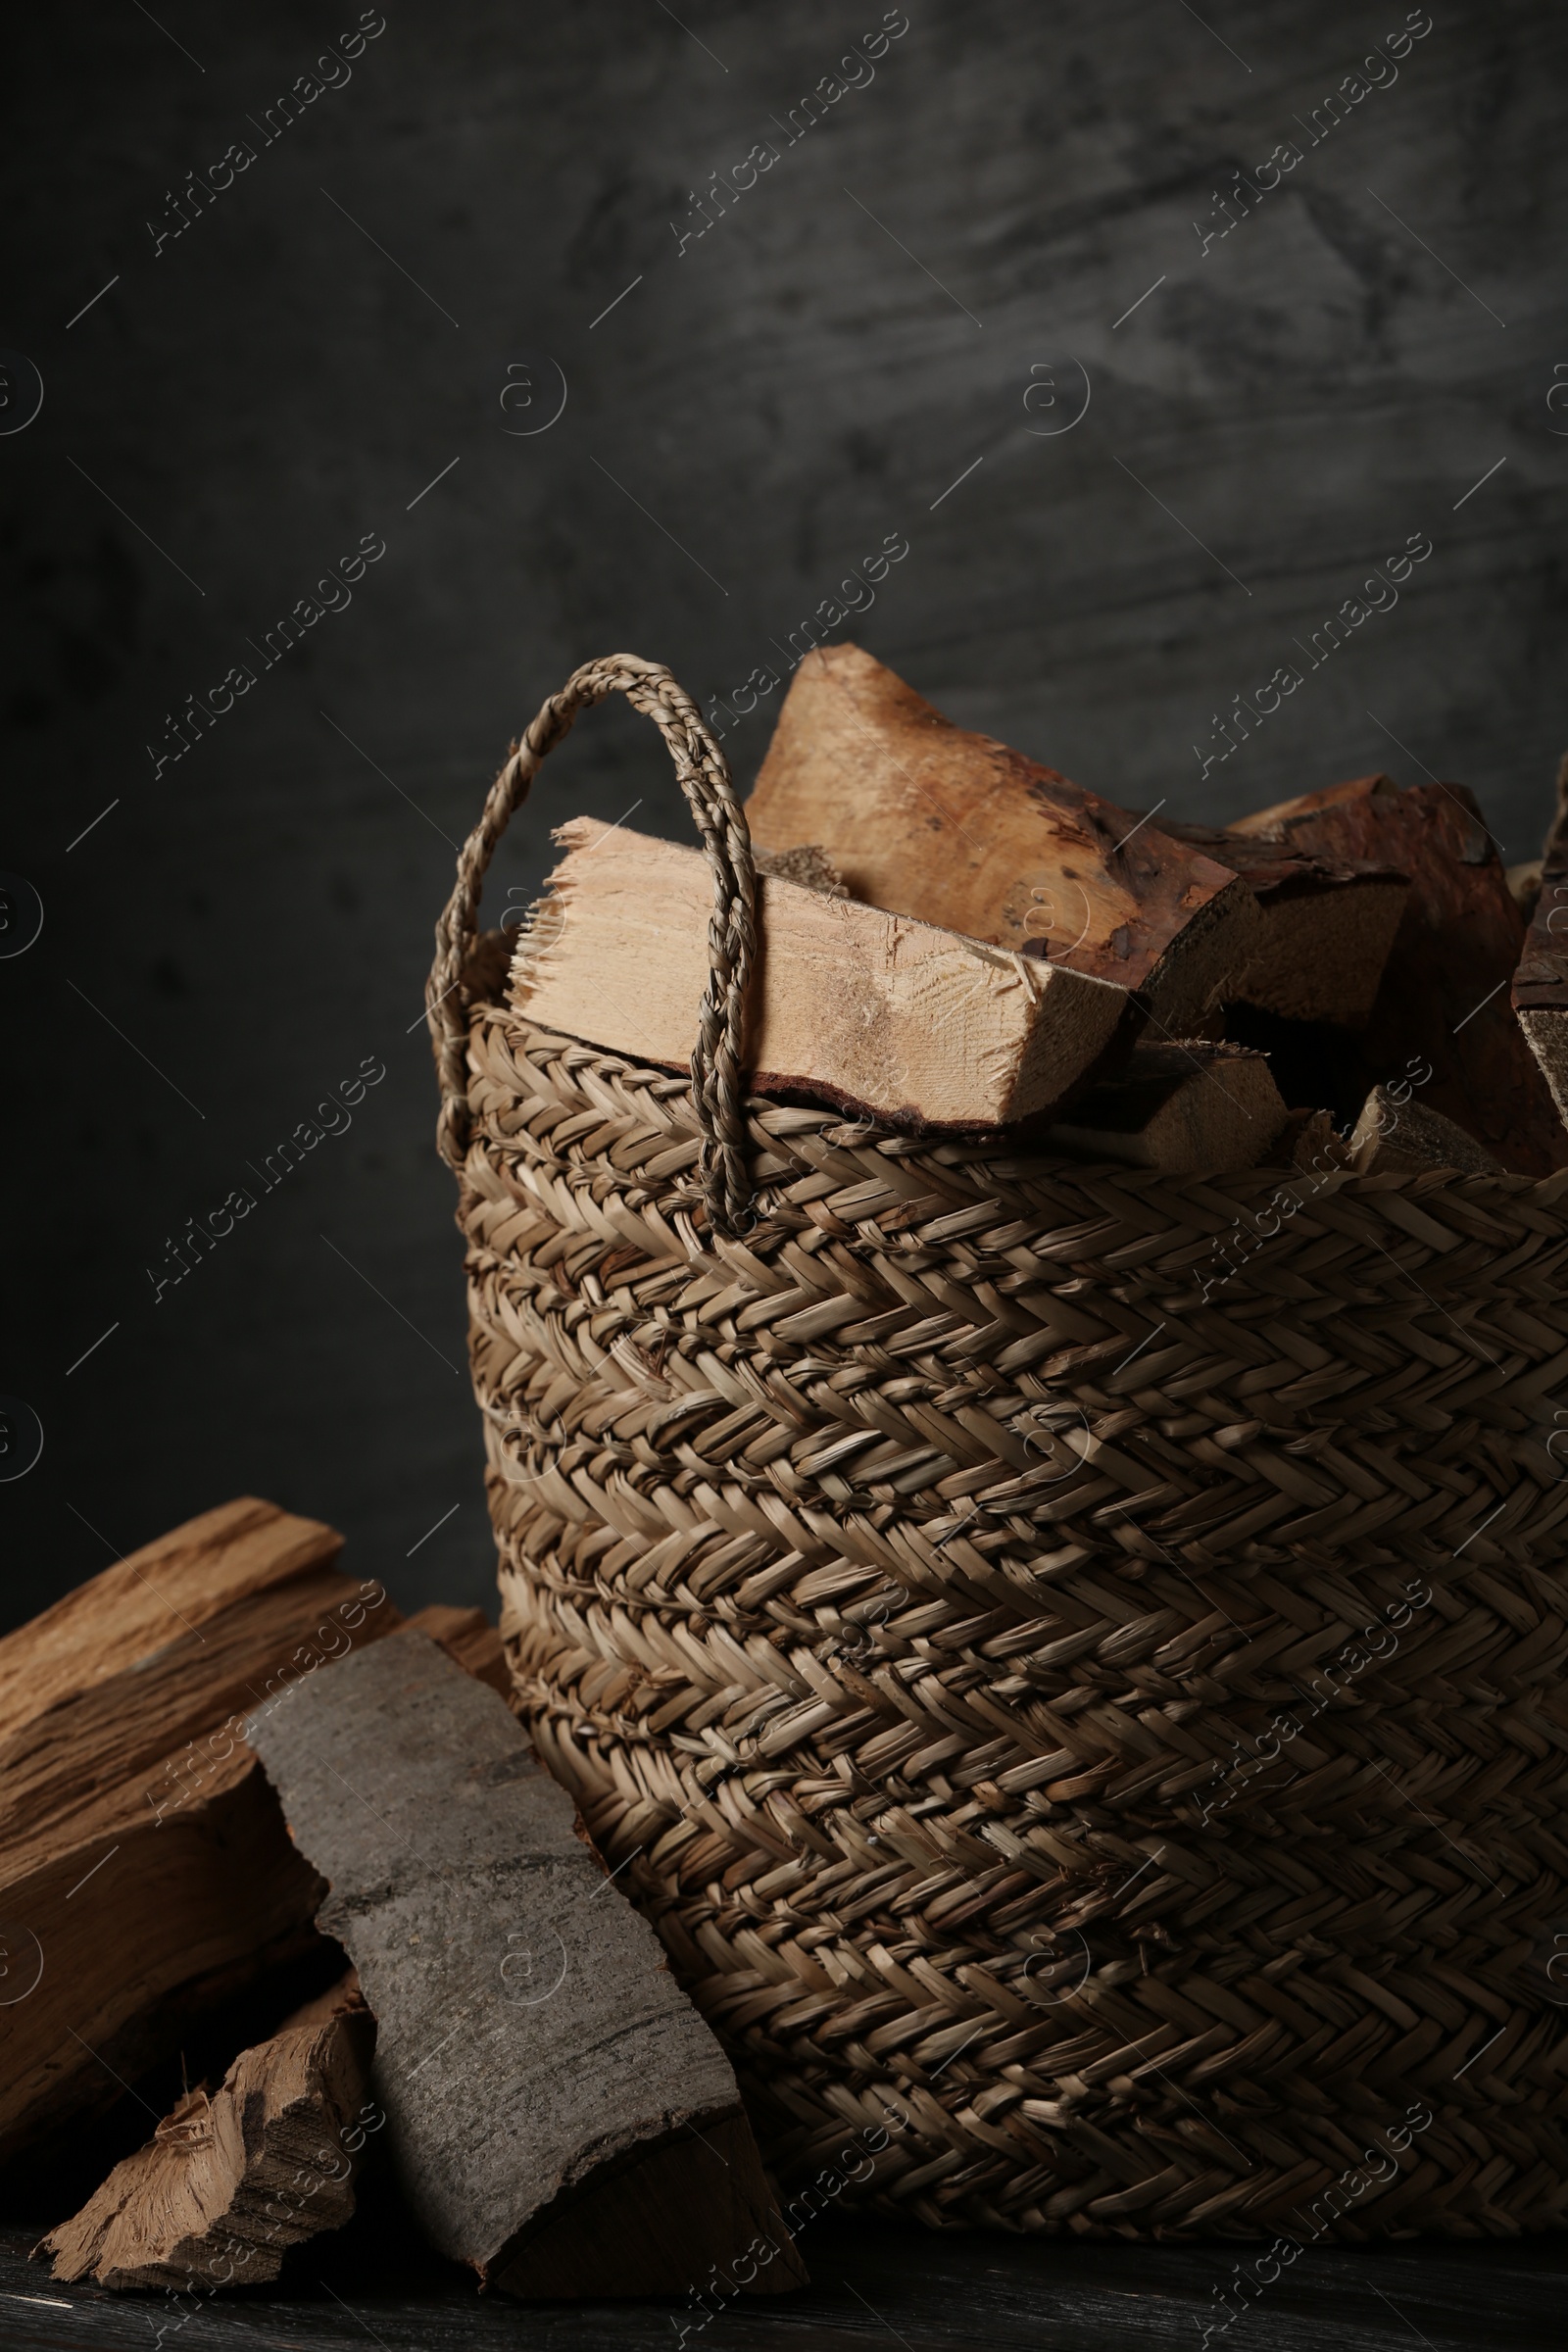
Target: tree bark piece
926,819
1189,1107
872,1011
1408,1138
1444,1000
144,1868
231,2180
1327,930
559,2114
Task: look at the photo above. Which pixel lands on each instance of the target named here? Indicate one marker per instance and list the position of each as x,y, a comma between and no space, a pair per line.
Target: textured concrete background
894,331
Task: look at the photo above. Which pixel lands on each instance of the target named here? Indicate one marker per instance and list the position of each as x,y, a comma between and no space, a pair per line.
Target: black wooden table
874,2284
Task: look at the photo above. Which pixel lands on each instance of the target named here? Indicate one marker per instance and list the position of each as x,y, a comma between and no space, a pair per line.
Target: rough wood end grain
872,1011
232,2179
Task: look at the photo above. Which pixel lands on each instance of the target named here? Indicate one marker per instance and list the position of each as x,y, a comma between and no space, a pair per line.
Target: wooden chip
230,2181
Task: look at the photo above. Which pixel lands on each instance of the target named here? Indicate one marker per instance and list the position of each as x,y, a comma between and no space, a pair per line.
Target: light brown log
1444,1001
1407,1138
873,1011
926,819
1190,1107
559,2114
1328,926
145,1873
232,2179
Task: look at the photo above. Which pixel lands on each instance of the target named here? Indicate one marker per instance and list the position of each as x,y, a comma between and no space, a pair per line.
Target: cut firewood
1391,1138
559,2114
1327,930
1189,1107
872,1011
145,1873
1443,1006
232,2179
926,819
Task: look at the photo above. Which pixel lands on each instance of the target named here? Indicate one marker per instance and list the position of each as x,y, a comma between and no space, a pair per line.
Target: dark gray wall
1289,405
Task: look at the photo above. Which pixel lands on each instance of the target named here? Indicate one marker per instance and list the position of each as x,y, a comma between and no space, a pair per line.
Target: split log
231,2180
1444,1000
1188,1109
1328,926
926,819
145,1873
872,1011
559,2114
1408,1138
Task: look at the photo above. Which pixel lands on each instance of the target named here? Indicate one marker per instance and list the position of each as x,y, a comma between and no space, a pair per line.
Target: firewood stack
956,939
229,1767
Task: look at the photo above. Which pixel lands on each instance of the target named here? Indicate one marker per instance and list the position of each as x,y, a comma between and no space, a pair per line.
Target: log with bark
559,2115
1395,1138
1191,1107
1444,1000
873,1011
1328,926
145,1874
232,2179
926,819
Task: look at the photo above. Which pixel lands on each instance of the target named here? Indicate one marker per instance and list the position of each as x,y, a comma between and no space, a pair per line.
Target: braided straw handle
704,779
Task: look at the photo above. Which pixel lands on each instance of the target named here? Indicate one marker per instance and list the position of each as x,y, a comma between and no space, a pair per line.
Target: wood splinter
230,2180
559,2114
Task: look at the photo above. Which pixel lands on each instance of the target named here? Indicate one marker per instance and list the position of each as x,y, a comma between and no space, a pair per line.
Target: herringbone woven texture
913,1594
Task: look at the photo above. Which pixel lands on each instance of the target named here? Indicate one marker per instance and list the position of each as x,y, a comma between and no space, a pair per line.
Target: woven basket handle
704,779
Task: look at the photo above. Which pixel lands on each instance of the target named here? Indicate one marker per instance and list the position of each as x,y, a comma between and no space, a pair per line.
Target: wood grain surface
871,1011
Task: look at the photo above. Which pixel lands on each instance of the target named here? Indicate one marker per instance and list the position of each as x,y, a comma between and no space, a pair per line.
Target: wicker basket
1068,1659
